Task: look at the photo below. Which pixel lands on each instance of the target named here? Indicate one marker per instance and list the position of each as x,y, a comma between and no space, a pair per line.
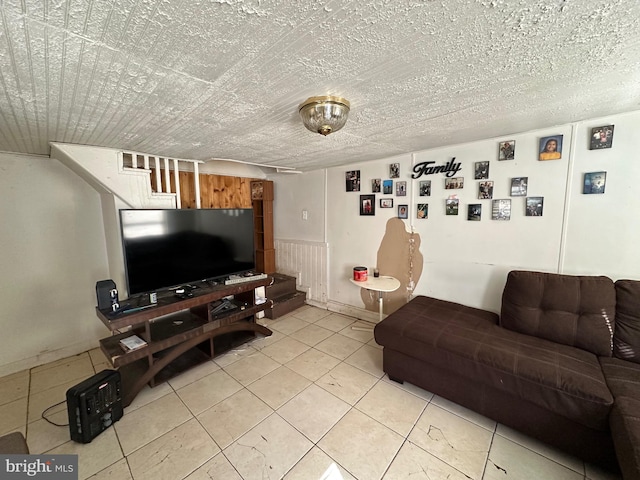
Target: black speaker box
107,294
94,405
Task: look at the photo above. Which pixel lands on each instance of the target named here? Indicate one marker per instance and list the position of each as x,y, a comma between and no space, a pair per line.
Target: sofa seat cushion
622,377
562,379
625,431
579,311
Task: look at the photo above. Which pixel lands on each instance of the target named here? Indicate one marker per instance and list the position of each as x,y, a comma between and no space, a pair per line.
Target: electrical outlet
305,215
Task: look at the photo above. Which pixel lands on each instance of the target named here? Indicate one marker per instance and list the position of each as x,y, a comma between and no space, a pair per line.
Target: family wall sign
428,168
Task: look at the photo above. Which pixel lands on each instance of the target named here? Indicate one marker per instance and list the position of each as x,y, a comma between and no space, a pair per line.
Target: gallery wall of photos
391,192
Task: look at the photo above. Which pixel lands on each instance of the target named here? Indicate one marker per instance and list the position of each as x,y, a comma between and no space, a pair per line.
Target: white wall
466,261
52,254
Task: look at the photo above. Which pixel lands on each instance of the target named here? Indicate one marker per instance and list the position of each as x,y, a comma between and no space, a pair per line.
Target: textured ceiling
222,79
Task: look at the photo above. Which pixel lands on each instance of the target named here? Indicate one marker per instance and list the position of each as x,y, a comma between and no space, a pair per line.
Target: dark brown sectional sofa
561,362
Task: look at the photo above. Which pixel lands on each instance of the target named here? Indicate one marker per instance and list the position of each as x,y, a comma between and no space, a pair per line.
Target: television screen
166,248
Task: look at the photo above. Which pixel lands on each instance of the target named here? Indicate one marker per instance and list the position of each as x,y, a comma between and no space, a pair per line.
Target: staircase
284,295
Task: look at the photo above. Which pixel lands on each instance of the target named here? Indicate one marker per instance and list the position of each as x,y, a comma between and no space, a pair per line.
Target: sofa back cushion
626,338
568,309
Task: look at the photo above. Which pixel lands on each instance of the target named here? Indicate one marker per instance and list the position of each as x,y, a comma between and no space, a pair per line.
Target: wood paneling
216,191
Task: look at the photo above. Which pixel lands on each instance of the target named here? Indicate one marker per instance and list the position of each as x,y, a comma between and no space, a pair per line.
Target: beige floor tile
285,350
288,325
314,412
310,314
97,357
251,368
543,449
339,346
414,463
335,322
161,460
262,341
139,427
76,370
93,457
465,413
13,387
313,364
193,374
206,392
268,450
361,445
43,436
312,334
117,471
148,395
363,336
278,387
232,356
314,465
216,468
13,415
233,417
347,383
510,461
62,361
368,359
453,439
393,407
41,401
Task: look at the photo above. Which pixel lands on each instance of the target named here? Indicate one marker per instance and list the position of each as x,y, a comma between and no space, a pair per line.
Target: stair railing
142,162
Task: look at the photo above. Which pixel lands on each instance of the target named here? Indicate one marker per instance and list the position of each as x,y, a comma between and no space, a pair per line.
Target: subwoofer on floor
94,405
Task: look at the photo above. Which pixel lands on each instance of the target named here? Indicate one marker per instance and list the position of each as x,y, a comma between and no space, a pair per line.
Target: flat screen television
167,248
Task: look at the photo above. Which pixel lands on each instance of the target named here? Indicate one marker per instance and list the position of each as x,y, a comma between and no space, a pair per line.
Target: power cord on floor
51,422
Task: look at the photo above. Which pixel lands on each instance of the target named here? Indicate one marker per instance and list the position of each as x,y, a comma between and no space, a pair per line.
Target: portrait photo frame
352,178
550,148
403,211
601,137
507,150
367,204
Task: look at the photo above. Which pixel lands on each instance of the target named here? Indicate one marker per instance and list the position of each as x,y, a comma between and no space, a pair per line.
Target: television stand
181,333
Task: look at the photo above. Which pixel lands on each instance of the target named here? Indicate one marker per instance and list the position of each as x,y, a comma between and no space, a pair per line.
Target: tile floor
309,399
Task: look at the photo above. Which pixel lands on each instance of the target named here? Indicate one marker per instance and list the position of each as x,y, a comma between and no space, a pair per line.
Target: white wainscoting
308,262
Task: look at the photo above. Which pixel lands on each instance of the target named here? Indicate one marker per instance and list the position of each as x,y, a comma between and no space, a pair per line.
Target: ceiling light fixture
324,115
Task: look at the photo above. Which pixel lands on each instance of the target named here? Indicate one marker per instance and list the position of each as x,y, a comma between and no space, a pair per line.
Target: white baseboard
351,311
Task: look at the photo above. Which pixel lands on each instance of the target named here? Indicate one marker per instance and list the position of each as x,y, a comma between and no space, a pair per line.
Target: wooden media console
180,332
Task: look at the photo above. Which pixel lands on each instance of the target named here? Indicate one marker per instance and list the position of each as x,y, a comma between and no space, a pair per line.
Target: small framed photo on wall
594,182
394,170
534,206
474,212
353,181
401,189
453,183
519,186
481,170
601,137
507,150
485,190
367,204
550,148
386,203
376,185
422,211
501,209
452,206
403,211
387,187
425,188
